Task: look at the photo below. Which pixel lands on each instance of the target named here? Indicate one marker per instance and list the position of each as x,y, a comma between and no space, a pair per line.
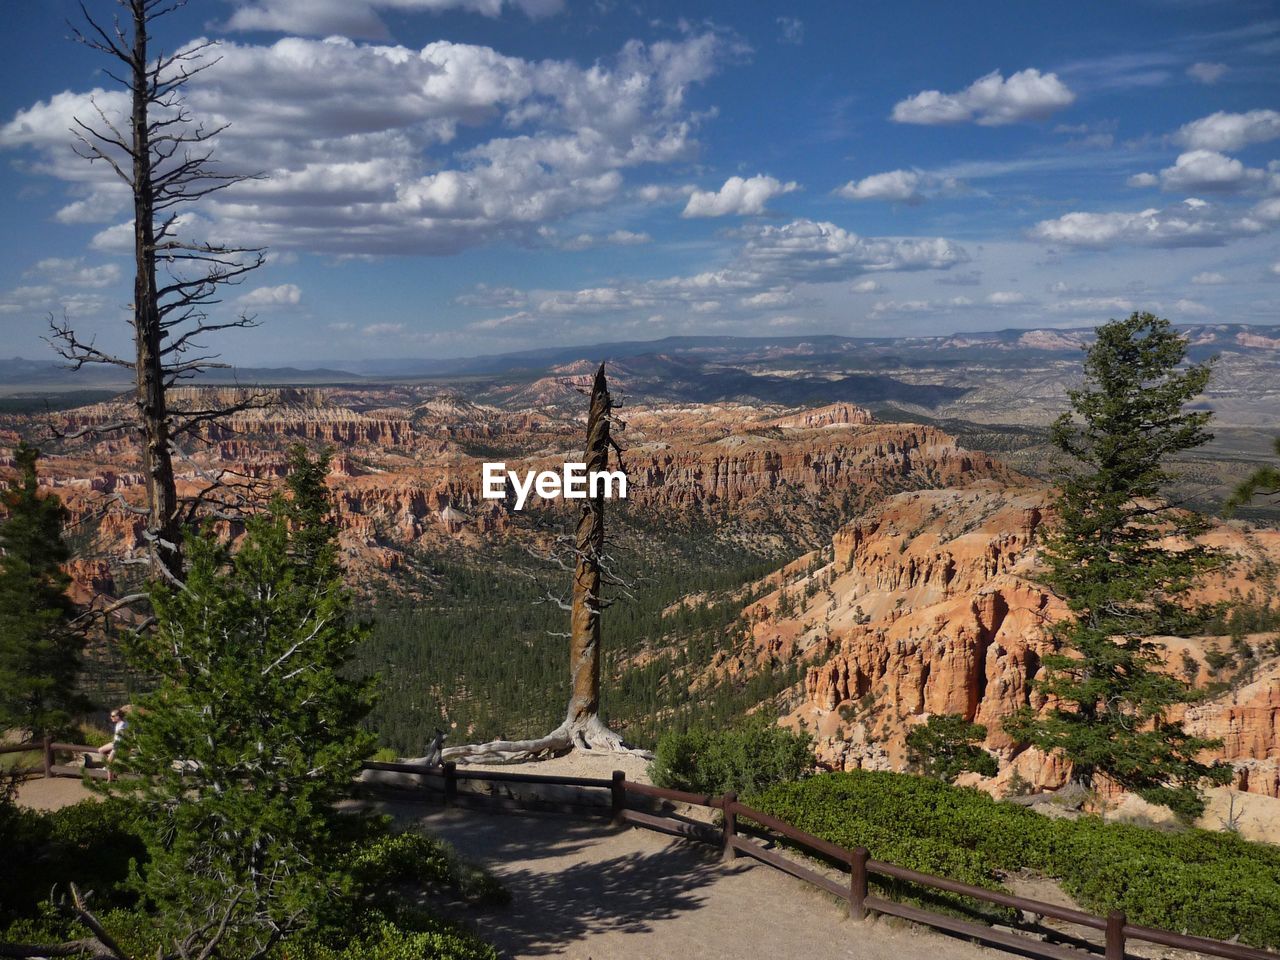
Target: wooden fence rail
861,867
732,841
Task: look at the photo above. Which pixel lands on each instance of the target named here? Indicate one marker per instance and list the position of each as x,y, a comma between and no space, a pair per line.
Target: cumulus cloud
383,329
285,295
990,101
1192,223
1230,131
355,139
1143,180
74,272
903,186
1207,170
764,274
817,251
738,196
1208,278
1005,298
893,185
1206,73
359,18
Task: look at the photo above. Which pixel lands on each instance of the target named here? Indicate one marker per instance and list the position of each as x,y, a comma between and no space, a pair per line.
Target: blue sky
451,177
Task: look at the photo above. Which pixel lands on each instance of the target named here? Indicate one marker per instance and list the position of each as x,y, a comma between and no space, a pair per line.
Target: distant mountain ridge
865,354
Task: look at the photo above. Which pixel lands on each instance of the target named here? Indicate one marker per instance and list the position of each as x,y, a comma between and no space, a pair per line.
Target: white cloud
355,139
1206,73
811,250
341,327
359,18
1143,180
1192,223
898,185
511,321
791,30
765,273
1208,170
383,329
1208,279
60,270
738,196
40,300
1230,131
1094,305
769,300
585,241
1005,298
990,101
1190,308
285,295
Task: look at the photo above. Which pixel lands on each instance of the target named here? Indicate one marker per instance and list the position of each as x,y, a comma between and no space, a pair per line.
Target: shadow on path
575,880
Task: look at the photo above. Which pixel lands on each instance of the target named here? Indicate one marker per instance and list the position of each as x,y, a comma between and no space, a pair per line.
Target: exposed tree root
591,736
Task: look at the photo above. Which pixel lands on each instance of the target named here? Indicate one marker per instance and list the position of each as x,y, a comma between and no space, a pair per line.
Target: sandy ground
54,794
584,890
579,763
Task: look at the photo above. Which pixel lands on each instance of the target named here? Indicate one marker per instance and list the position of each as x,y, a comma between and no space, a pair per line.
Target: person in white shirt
108,750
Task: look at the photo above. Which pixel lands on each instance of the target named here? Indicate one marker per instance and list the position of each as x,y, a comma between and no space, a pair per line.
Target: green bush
90,844
1206,883
93,843
400,858
745,759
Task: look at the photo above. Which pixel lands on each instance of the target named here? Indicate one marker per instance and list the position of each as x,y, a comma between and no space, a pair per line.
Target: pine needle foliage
948,745
1262,482
253,731
39,652
1122,557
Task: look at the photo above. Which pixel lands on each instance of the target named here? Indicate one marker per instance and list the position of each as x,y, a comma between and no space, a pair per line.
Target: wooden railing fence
48,748
858,863
733,841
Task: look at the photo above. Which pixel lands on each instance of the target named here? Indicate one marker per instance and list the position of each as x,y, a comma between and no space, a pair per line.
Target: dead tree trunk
165,157
164,536
584,641
583,727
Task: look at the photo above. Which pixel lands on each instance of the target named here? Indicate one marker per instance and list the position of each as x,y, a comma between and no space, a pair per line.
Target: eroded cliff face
407,470
930,604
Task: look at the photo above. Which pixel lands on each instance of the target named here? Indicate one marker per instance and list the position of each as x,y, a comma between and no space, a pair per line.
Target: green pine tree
947,745
253,731
39,652
1263,482
1109,557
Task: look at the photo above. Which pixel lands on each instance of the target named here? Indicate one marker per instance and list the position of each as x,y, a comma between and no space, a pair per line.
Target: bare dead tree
583,728
166,158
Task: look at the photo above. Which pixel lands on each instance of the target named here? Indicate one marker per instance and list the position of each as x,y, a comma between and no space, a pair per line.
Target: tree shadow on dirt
551,909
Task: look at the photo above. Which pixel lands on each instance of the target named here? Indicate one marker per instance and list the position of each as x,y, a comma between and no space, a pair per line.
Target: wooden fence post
450,782
618,796
858,884
47,750
1115,935
730,825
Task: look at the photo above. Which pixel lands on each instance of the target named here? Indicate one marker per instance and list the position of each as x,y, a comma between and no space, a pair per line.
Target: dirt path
588,891
53,794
